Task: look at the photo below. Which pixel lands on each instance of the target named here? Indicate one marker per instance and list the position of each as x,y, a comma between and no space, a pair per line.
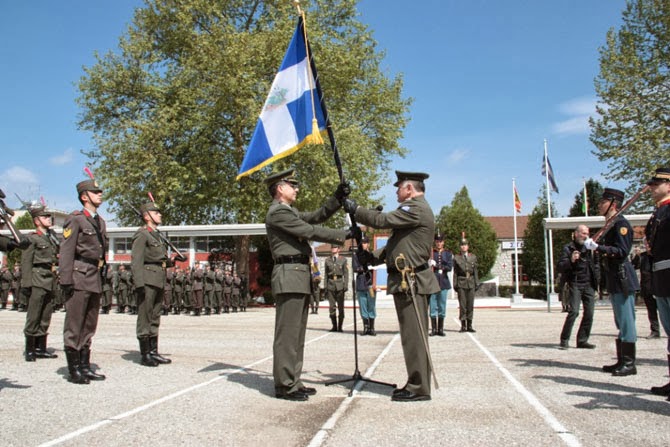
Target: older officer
149,260
82,264
658,237
39,262
442,262
289,232
413,226
621,280
337,280
466,281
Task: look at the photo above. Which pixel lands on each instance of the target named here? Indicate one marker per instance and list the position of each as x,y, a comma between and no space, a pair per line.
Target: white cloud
63,159
457,155
572,126
18,180
578,111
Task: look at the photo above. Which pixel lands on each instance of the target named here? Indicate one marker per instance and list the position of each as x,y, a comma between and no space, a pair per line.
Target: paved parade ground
507,384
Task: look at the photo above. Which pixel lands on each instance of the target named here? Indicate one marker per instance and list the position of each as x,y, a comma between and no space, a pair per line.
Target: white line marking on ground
567,437
321,436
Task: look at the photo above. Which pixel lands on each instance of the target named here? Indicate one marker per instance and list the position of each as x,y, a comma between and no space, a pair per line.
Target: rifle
180,257
610,222
6,216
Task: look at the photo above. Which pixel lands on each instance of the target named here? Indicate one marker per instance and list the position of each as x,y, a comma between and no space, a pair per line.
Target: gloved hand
364,257
181,258
342,192
67,290
354,233
25,243
139,293
11,245
349,206
432,263
590,244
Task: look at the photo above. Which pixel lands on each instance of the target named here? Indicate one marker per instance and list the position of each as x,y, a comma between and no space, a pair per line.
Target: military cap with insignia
88,185
613,194
149,206
438,236
660,175
38,211
284,176
464,241
415,176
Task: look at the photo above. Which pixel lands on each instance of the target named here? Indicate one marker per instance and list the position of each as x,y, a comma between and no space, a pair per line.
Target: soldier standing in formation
236,292
657,233
107,291
413,227
289,232
15,288
39,262
167,290
621,280
197,289
227,291
123,285
336,285
177,291
5,283
442,262
364,293
82,264
218,289
210,277
466,282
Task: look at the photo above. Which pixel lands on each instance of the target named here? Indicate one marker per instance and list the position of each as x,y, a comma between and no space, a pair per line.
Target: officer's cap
464,241
38,211
149,206
416,176
661,175
284,176
438,236
88,185
613,194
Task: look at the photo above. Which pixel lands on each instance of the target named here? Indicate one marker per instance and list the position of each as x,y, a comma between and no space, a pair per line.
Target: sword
407,283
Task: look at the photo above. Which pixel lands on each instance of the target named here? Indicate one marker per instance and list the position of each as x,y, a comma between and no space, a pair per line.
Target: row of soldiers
193,291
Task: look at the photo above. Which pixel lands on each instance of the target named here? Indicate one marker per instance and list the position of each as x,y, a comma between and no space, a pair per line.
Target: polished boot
433,326
470,328
41,348
339,323
30,349
665,389
463,328
154,351
333,320
73,367
145,352
372,327
440,327
85,365
611,368
627,367
366,327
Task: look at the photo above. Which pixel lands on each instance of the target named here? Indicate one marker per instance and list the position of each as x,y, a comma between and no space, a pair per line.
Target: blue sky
490,81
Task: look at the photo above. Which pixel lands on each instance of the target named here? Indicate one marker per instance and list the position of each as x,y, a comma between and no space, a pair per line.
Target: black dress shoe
408,396
586,345
653,335
295,396
308,390
564,344
398,391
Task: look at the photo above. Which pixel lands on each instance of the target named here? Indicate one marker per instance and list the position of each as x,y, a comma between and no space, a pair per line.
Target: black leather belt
421,268
46,266
299,259
334,276
96,262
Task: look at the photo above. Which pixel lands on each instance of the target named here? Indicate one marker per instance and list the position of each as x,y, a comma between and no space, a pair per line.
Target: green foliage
632,132
594,191
462,217
172,112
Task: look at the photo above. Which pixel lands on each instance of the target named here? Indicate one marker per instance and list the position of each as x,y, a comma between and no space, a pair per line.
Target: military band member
336,285
364,292
622,282
658,236
289,232
82,261
442,262
413,227
149,263
466,282
39,263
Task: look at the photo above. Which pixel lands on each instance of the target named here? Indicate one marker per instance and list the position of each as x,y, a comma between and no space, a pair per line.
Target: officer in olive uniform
622,282
107,290
289,232
5,283
657,233
218,289
124,285
236,293
466,281
209,279
39,263
82,264
336,285
149,261
197,288
168,288
15,286
413,227
227,291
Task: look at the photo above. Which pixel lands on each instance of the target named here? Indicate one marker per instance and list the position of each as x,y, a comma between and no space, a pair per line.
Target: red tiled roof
504,226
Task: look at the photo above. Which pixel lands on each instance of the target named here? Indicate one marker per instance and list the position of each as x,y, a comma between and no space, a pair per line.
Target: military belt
422,267
99,263
161,263
299,259
661,265
334,276
46,266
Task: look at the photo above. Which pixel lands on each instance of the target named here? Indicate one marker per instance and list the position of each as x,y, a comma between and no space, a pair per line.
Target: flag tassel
316,133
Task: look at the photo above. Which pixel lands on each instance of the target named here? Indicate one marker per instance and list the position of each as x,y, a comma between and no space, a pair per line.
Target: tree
632,131
462,217
594,191
173,111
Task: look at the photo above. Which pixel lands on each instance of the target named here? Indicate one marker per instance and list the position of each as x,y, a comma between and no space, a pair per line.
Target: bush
536,292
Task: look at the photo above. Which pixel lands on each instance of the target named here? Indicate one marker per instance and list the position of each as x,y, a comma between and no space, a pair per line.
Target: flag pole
550,258
517,296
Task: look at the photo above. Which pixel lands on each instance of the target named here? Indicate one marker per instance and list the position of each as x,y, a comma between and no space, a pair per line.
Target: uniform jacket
169,280
218,282
210,278
444,263
124,280
179,282
196,279
4,243
658,236
619,273
39,262
149,259
237,284
289,232
466,275
6,279
337,274
413,229
227,284
82,244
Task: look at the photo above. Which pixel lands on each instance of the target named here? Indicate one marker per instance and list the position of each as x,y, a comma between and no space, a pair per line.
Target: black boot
145,352
440,327
433,326
372,327
366,326
611,368
154,351
85,365
627,367
30,349
470,328
662,390
463,328
339,322
73,366
41,348
333,320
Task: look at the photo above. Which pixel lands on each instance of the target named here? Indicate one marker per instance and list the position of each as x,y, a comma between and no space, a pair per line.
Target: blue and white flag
549,173
292,115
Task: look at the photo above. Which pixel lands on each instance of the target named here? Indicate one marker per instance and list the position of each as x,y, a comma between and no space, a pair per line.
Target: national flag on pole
549,173
292,115
517,200
316,273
